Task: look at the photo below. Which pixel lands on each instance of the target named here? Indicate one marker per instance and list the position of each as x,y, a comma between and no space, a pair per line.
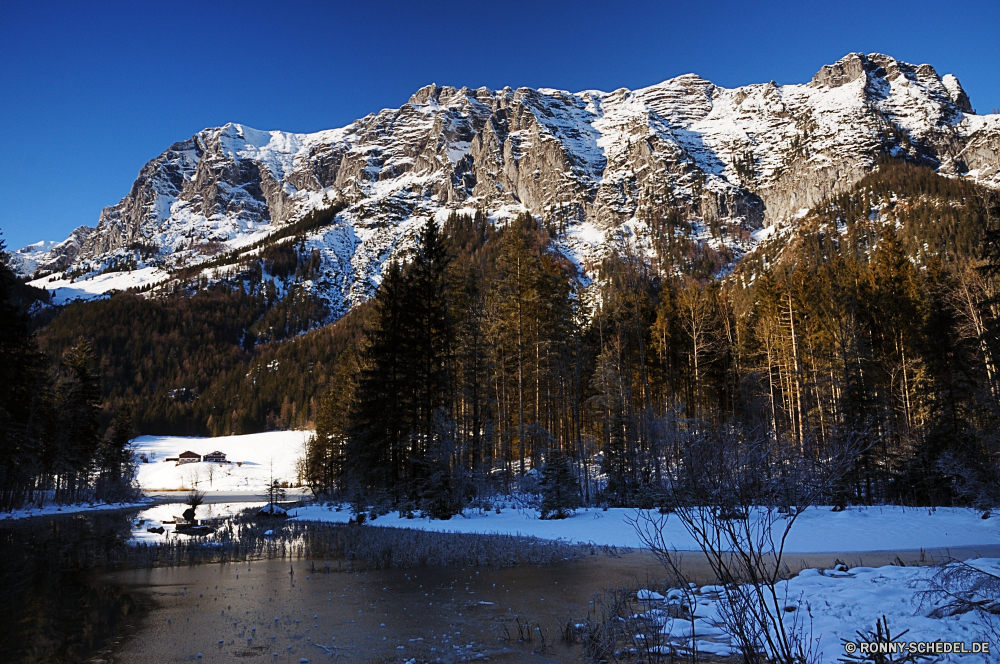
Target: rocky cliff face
743,158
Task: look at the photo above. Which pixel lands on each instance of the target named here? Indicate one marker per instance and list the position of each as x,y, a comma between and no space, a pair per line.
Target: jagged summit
876,67
591,163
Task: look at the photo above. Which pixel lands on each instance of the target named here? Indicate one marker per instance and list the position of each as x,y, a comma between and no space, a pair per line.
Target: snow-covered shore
816,530
254,460
51,509
831,606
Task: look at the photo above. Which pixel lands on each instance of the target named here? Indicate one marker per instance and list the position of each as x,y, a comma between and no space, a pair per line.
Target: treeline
53,442
233,357
875,331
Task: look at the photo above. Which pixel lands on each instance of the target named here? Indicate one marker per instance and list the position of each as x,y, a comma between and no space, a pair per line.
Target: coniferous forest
487,363
51,433
869,332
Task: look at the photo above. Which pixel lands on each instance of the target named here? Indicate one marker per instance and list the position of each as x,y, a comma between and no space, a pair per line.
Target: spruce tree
79,435
560,490
116,464
25,399
408,374
430,332
377,423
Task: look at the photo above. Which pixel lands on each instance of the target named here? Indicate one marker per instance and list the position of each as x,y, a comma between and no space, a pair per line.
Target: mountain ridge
591,164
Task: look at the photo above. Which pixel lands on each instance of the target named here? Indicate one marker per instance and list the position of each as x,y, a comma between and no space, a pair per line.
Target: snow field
262,456
64,291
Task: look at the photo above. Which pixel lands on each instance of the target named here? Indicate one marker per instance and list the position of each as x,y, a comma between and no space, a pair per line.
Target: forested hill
875,316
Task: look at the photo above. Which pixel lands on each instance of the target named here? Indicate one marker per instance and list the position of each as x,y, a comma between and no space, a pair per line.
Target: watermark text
916,647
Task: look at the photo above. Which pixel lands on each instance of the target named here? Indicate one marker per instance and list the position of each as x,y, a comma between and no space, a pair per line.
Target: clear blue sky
91,91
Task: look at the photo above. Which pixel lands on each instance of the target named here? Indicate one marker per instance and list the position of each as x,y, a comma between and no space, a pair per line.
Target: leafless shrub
620,628
738,495
965,588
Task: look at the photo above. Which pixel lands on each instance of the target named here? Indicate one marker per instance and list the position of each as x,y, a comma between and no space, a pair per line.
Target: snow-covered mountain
735,160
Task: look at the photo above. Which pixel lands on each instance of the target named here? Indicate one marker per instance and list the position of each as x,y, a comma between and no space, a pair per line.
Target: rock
738,159
847,69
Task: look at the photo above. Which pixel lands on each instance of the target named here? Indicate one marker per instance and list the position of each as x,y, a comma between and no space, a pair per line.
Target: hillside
446,335
591,165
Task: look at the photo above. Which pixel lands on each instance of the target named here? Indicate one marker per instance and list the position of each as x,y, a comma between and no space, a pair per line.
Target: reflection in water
53,610
56,608
165,516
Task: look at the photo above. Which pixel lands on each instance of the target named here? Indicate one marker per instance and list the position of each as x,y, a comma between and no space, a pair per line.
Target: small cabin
188,457
215,457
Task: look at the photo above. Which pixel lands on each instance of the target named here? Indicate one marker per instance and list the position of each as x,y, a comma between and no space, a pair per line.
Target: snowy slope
261,457
65,289
596,163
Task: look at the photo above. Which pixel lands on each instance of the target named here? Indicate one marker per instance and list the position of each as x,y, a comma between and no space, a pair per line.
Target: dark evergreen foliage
560,490
51,437
872,326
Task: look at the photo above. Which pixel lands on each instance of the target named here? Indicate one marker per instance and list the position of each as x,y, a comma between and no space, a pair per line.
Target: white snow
65,290
52,509
608,148
838,602
835,604
816,530
276,454
25,260
253,461
762,234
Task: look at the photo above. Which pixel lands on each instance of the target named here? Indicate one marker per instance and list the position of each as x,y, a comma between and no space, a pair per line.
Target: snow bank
252,461
836,604
815,531
53,509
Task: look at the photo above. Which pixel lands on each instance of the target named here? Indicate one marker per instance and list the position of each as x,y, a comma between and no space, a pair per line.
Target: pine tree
79,434
25,399
378,422
430,333
407,376
116,464
560,490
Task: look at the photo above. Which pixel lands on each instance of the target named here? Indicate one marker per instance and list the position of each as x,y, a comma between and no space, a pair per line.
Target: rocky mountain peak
591,164
849,68
956,93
